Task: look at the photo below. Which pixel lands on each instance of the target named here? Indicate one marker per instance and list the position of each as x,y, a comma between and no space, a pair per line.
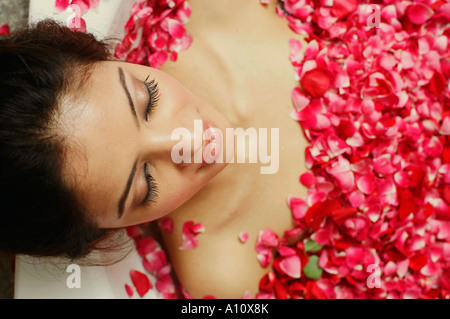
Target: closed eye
152,188
153,97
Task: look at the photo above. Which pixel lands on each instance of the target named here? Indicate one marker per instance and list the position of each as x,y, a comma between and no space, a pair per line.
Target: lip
208,124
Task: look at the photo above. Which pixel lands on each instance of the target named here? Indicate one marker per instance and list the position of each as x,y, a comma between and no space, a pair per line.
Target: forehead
96,126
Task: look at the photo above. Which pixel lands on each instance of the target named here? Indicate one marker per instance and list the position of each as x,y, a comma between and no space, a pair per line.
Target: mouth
212,143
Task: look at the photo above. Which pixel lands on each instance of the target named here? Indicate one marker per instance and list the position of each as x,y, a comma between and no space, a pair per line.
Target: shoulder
220,266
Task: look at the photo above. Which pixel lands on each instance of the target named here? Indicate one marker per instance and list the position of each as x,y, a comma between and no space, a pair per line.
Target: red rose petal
62,5
407,203
313,291
4,29
146,245
307,179
315,214
166,224
267,281
129,290
140,282
316,82
280,291
346,129
341,8
418,13
437,84
446,193
417,262
340,215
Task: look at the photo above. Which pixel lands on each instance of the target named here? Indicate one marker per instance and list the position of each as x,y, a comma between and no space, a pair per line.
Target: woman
93,150
95,147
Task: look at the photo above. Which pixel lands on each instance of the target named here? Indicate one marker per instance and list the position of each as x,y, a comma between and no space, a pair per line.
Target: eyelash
152,188
153,91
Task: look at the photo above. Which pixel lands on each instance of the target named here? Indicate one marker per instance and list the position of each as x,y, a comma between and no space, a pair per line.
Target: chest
246,74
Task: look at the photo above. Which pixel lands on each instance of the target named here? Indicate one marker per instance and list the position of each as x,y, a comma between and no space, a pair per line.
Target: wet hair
39,214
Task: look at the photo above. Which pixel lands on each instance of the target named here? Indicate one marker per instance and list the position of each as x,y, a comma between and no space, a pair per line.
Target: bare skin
237,75
238,63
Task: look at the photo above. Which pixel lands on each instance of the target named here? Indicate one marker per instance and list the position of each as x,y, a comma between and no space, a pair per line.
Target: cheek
175,187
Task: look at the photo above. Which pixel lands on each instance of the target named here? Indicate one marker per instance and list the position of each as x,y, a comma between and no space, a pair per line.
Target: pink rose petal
175,28
291,266
165,285
445,127
243,237
247,294
267,240
155,261
189,234
299,99
296,55
298,207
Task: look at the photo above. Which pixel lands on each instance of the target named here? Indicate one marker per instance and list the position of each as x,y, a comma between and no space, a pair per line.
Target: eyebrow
124,196
127,92
126,192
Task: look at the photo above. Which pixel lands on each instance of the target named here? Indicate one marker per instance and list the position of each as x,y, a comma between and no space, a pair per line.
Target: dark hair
39,214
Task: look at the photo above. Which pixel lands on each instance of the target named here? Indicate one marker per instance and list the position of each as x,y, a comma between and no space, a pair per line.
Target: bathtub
49,278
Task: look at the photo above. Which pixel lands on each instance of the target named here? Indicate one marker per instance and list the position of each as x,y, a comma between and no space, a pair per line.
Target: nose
180,144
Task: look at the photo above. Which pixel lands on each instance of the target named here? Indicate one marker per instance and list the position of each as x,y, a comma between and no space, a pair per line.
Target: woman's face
120,144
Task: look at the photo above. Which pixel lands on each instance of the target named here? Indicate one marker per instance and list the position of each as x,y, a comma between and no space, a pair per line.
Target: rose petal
316,82
62,5
140,282
298,207
307,179
296,55
146,245
155,261
299,99
189,235
175,28
419,13
445,127
243,237
166,224
129,290
165,285
291,266
341,8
